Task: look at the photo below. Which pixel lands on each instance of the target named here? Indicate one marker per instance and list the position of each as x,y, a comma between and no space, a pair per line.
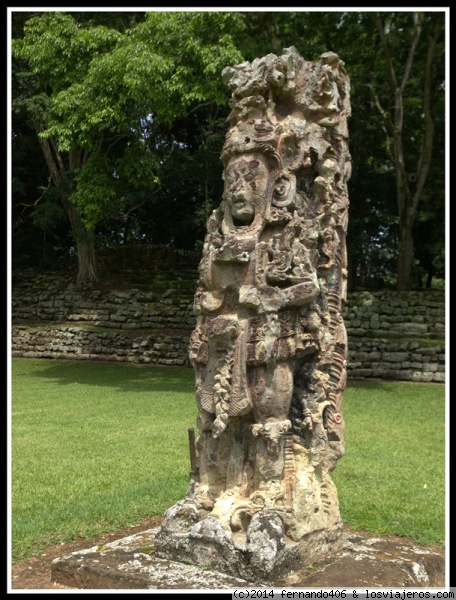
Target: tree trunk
408,199
405,254
87,271
430,272
85,243
84,238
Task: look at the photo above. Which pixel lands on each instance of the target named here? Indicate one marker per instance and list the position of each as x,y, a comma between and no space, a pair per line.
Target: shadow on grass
144,377
128,377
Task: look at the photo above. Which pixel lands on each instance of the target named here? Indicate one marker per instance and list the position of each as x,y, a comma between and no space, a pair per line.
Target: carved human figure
257,278
228,265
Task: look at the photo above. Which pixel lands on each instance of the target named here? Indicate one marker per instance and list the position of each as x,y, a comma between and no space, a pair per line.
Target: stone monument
269,347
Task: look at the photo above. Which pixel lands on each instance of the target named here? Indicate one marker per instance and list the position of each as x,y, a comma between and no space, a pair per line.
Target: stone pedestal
362,562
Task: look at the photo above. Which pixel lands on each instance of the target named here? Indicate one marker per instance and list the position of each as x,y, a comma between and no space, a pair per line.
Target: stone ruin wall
154,326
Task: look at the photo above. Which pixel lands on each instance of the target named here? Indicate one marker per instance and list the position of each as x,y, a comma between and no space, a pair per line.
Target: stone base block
362,562
263,554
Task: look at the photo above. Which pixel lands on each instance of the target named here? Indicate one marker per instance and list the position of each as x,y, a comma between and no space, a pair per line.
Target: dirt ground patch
35,573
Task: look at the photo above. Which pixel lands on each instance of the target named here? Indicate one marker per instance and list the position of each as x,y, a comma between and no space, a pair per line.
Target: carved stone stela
269,348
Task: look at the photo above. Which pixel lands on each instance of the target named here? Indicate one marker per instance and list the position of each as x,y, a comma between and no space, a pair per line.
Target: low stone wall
388,313
384,359
396,335
82,343
166,305
391,335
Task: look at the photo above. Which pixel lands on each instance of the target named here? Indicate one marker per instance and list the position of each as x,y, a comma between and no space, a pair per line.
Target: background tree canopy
118,120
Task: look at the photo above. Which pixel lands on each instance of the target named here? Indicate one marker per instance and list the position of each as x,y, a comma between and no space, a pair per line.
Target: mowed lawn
96,446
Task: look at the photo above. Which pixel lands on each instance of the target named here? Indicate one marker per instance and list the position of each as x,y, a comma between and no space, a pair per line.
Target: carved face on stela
250,179
246,185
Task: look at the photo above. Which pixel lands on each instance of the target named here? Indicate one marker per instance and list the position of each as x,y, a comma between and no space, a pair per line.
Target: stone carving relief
269,348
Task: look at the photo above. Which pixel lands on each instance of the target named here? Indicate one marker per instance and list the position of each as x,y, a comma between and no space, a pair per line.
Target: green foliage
97,93
58,52
191,177
144,90
194,48
47,215
95,189
101,79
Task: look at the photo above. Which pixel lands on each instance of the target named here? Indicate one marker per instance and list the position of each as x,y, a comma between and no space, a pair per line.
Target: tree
144,106
94,92
410,66
53,55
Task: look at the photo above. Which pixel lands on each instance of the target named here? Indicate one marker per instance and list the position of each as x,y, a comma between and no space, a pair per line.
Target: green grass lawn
392,477
97,446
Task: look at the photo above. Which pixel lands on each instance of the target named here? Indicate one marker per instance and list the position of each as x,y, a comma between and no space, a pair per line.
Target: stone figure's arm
279,284
268,298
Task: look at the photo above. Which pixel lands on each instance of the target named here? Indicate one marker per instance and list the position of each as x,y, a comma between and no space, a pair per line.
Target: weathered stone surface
269,348
362,562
